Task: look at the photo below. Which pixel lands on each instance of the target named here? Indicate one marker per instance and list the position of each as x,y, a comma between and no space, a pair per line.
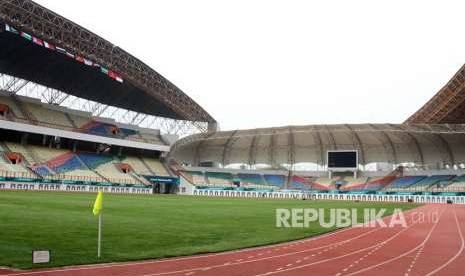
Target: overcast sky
272,63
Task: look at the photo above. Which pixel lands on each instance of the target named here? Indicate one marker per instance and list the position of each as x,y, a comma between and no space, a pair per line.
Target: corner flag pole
99,246
98,211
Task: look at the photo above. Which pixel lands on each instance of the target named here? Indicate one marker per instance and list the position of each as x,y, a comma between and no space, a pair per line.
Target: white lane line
402,255
412,263
349,254
265,258
462,246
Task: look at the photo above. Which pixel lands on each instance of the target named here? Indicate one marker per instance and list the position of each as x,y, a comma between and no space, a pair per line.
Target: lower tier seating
219,179
404,182
275,180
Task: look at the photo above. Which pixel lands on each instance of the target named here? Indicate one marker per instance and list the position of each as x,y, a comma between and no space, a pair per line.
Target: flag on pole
111,74
11,29
88,62
49,45
98,204
118,78
37,41
98,212
61,50
26,35
80,58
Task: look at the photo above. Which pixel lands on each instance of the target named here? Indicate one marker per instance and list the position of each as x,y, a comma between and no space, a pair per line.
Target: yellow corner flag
98,204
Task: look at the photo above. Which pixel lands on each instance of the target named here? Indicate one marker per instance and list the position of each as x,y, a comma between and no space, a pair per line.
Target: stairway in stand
26,113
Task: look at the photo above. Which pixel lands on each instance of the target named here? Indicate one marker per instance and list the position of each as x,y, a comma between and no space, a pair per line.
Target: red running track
428,247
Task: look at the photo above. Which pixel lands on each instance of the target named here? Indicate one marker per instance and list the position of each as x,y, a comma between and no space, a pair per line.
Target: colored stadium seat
350,183
404,182
34,112
96,128
219,179
275,180
303,183
156,166
429,181
456,184
54,118
198,178
322,183
28,156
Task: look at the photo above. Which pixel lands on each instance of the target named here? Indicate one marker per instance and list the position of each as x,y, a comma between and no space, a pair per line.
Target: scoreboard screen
342,159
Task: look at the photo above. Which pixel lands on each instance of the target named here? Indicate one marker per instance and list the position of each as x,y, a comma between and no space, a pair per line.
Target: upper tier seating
151,138
131,134
41,114
13,107
49,116
275,180
79,121
97,128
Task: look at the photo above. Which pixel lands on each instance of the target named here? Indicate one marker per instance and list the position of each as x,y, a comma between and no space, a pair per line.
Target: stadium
79,115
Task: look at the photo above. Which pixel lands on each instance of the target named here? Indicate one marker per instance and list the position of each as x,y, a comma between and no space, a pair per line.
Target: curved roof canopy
447,106
422,144
142,90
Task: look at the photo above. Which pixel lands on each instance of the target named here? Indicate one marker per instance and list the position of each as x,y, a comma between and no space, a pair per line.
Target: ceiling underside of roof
143,90
447,106
23,59
395,144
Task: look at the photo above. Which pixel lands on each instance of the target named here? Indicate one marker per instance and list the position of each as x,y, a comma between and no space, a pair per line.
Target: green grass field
143,226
